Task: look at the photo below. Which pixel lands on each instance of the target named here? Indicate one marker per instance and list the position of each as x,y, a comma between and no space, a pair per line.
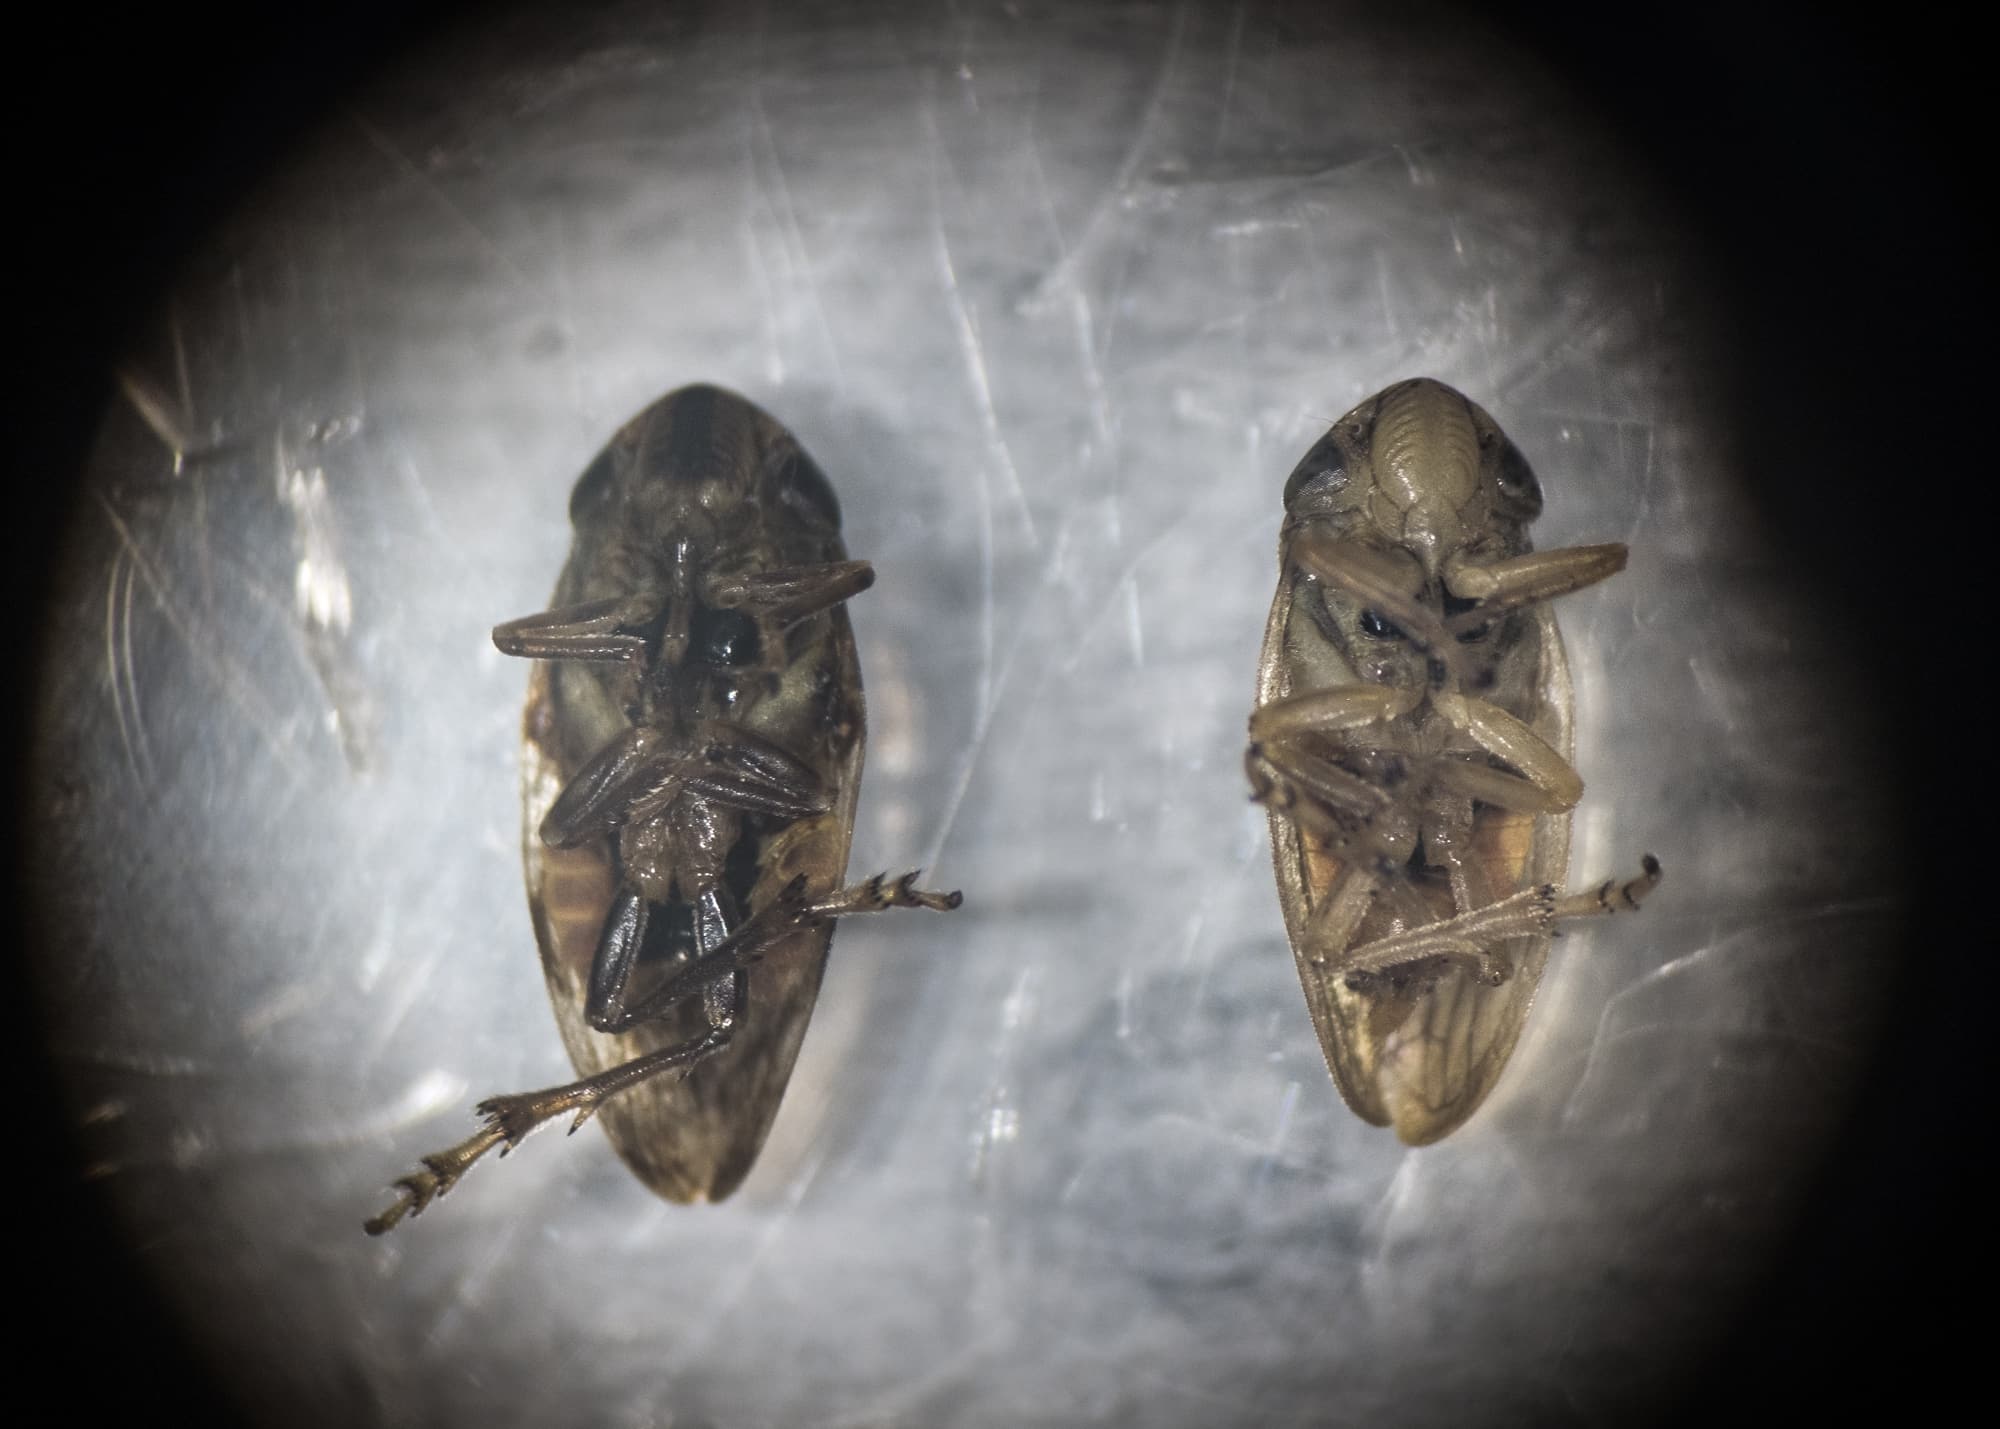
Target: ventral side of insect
1413,743
692,752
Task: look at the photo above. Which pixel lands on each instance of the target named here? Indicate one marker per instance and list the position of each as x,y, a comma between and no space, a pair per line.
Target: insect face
691,759
1412,741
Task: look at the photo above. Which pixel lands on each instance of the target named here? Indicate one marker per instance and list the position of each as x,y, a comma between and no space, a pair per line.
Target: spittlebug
1412,741
692,754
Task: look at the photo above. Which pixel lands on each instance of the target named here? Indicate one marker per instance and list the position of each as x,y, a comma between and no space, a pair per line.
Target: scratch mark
1124,180
792,235
419,489
320,588
566,313
1274,1151
1135,629
774,357
1401,1190
237,687
999,1120
723,1300
119,670
970,346
1202,514
1079,304
410,987
158,412
1608,1035
467,1290
288,1002
323,601
410,170
1388,303
986,695
1229,63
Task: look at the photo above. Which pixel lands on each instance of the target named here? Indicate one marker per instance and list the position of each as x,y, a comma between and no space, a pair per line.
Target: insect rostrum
691,758
1412,742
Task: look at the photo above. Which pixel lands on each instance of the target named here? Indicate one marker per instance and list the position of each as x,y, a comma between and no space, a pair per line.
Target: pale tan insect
1412,741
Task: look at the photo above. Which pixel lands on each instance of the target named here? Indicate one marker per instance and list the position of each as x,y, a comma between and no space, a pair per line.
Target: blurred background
337,310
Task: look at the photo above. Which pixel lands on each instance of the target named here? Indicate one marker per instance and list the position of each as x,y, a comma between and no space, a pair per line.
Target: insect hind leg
719,977
510,1118
1473,937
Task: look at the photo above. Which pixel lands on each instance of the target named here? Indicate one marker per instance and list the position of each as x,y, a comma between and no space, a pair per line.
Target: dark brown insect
693,743
1412,740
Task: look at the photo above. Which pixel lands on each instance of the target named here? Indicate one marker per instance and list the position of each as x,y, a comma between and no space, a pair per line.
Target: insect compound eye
801,486
1517,479
1376,628
593,488
1324,469
722,637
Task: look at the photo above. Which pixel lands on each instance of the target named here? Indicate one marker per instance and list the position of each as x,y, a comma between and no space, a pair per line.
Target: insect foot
691,761
1412,743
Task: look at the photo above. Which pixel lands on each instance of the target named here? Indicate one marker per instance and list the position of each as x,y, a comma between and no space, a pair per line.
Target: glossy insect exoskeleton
693,742
1412,741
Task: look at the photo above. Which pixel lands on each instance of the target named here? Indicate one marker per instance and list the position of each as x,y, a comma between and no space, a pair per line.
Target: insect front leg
601,630
788,594
1377,581
776,599
1529,579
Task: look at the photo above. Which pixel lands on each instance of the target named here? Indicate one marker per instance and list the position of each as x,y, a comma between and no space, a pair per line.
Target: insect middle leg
790,912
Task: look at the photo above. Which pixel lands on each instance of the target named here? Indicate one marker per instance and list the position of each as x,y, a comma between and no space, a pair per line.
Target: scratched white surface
1057,295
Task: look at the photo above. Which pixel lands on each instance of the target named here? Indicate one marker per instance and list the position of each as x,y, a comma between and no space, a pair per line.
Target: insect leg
1611,896
1508,739
604,792
596,630
881,893
1528,579
1312,791
754,775
1378,583
1358,819
723,999
786,914
788,594
1470,937
1493,786
510,1118
1332,711
1337,915
635,771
